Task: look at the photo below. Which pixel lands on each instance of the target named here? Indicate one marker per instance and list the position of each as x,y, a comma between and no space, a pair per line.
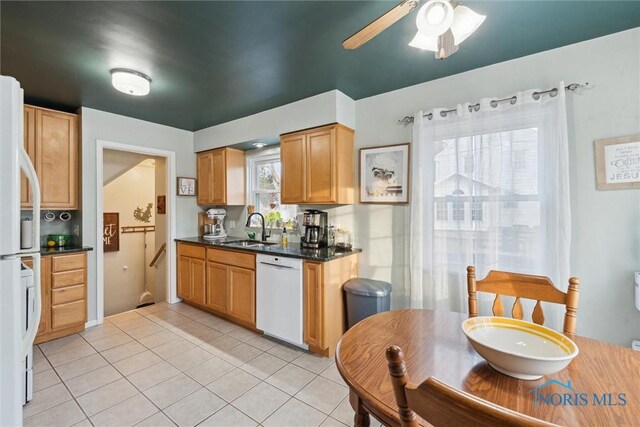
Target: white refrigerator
20,298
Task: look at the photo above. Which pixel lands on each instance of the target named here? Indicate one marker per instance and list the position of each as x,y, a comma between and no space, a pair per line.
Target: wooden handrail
155,258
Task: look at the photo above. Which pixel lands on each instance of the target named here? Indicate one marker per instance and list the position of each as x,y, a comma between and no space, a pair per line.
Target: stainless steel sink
248,243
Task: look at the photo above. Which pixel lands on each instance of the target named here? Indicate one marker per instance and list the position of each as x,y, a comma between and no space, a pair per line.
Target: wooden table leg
361,417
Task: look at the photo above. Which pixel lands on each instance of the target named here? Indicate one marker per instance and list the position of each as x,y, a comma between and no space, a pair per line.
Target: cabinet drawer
191,251
68,294
67,278
238,259
68,262
68,314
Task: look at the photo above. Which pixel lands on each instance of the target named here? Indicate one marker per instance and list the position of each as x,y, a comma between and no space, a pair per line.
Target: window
441,211
476,211
264,171
458,211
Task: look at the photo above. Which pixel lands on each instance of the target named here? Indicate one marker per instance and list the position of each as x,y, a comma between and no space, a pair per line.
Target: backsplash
57,226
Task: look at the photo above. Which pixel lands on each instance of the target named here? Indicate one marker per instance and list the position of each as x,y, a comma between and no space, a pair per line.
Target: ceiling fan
442,26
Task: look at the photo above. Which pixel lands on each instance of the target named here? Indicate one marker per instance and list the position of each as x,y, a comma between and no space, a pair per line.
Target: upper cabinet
221,177
318,166
51,140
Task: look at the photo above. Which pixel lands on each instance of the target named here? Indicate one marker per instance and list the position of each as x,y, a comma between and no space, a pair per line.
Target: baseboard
90,323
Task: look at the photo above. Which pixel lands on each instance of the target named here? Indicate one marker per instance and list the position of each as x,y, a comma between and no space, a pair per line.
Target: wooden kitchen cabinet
242,294
313,304
221,177
30,147
63,281
318,166
217,287
323,306
228,280
51,140
292,160
192,273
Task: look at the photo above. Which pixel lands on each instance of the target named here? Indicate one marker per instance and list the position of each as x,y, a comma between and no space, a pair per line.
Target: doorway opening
136,223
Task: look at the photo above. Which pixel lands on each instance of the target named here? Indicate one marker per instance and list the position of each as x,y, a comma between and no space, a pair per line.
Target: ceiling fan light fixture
435,17
130,82
424,42
465,22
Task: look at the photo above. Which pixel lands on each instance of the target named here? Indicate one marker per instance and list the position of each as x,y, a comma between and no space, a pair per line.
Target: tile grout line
200,344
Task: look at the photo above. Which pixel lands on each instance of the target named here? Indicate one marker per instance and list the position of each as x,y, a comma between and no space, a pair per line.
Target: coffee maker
315,229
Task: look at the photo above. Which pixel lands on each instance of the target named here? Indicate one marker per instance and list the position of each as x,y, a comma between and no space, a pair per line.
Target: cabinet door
217,286
321,167
184,277
204,185
219,177
198,281
292,158
57,159
313,304
242,294
30,146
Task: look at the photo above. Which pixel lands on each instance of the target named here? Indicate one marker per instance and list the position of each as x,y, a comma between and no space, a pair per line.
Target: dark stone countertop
292,250
62,250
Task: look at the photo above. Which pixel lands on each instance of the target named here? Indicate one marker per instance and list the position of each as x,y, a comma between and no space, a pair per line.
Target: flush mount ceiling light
259,144
130,82
442,26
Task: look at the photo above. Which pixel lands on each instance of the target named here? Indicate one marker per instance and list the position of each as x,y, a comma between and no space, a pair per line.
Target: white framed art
618,163
384,174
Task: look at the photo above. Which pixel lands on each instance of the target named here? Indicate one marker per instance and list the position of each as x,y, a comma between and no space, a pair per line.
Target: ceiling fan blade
380,24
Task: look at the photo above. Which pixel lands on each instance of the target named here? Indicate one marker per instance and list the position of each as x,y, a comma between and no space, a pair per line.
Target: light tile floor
166,365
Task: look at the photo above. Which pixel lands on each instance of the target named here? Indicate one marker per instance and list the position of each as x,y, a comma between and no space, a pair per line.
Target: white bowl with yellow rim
519,348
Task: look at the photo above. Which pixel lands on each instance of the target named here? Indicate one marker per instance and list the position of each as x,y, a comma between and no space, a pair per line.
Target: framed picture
186,186
618,163
384,174
111,232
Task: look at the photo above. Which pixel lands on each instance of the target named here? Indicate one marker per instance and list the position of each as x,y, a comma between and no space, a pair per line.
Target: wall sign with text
111,232
618,163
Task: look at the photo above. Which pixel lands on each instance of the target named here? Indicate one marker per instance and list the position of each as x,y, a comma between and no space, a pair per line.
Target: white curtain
490,188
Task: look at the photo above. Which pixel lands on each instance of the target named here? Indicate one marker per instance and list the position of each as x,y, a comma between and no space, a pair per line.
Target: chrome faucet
264,233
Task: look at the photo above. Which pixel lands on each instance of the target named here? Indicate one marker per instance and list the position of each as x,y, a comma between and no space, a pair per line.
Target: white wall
100,125
328,107
605,224
124,270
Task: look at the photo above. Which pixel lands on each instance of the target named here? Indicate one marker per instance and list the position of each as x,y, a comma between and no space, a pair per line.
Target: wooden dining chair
444,406
539,288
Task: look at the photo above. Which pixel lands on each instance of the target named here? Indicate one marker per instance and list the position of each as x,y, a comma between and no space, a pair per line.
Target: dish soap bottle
284,239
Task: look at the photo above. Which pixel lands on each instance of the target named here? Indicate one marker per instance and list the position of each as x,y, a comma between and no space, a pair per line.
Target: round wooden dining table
434,345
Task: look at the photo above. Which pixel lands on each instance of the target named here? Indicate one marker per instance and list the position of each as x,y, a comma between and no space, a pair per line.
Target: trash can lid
367,287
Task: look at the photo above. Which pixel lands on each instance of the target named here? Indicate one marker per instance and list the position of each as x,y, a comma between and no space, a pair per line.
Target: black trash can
366,297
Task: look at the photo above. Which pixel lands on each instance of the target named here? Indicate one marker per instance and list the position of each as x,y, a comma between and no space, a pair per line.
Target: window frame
252,159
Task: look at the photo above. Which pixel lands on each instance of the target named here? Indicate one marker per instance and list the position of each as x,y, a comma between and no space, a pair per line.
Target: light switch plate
232,224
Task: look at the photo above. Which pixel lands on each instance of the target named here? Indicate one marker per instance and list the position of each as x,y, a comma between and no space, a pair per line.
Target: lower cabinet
63,281
222,281
323,302
192,273
217,286
242,294
313,304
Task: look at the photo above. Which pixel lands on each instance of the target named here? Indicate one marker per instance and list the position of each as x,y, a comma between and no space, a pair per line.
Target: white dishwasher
279,298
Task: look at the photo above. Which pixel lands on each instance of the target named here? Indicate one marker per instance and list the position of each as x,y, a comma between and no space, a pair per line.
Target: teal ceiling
212,62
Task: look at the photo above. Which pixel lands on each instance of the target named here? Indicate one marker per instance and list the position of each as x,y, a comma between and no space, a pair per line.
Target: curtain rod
573,87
